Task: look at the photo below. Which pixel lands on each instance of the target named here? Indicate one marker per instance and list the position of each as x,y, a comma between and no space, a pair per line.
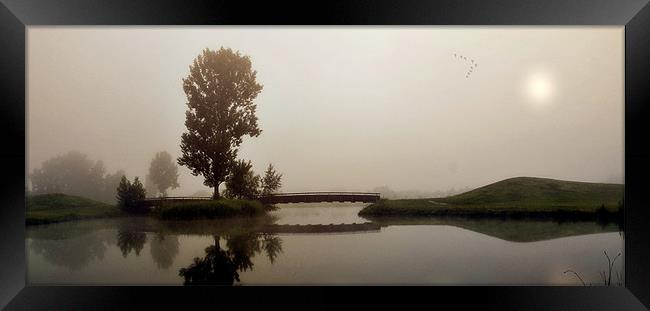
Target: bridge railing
287,197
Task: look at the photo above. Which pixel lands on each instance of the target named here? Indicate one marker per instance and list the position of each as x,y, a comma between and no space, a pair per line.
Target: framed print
470,148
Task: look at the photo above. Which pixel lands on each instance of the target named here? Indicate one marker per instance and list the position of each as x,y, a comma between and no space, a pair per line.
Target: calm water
265,250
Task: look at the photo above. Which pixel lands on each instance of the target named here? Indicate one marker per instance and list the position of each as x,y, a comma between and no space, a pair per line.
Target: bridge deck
281,198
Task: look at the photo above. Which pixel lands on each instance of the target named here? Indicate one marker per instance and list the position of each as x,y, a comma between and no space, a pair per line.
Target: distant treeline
74,173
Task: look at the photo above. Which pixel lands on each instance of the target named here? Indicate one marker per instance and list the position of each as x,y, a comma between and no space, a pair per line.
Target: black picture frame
16,15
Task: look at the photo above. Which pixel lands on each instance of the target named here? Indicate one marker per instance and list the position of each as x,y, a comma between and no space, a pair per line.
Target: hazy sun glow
539,88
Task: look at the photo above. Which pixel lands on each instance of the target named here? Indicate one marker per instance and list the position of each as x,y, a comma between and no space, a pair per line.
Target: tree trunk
215,195
216,241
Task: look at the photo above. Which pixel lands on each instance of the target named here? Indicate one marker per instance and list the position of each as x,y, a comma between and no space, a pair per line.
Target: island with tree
220,88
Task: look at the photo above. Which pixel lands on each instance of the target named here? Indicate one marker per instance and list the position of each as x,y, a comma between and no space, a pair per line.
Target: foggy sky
344,108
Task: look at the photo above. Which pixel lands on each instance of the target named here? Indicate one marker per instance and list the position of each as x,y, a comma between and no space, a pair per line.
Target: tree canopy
163,173
75,174
220,90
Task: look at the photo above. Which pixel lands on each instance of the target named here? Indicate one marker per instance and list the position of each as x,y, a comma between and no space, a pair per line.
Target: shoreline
57,211
414,209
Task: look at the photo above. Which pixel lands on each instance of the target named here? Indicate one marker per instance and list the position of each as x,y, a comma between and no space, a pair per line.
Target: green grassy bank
57,207
208,209
521,196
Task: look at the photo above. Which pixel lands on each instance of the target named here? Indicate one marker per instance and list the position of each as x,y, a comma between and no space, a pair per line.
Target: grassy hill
57,207
541,192
520,195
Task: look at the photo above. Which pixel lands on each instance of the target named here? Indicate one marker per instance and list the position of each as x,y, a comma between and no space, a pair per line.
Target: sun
539,88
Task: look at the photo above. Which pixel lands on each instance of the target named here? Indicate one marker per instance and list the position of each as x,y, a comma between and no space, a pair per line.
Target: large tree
220,90
163,172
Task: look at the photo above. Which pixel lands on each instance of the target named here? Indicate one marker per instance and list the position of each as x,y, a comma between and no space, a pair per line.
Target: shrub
242,183
130,195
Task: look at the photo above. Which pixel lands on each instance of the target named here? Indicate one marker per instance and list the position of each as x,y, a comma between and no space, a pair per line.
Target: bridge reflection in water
319,228
318,197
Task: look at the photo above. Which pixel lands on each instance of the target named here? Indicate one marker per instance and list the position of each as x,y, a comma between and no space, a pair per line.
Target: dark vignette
12,155
367,12
637,154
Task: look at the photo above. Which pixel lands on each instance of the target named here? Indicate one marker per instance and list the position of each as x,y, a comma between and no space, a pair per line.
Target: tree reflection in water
164,249
272,246
72,253
221,266
131,240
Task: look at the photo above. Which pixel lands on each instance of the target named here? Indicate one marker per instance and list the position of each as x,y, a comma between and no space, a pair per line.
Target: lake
280,249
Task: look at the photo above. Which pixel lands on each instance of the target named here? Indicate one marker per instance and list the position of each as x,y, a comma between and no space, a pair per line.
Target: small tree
163,172
129,195
242,183
271,182
137,191
124,194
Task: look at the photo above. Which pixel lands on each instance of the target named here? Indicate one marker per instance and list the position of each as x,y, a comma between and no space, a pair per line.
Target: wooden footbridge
283,198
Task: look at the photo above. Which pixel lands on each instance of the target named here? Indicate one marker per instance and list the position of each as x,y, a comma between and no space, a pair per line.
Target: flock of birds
471,62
